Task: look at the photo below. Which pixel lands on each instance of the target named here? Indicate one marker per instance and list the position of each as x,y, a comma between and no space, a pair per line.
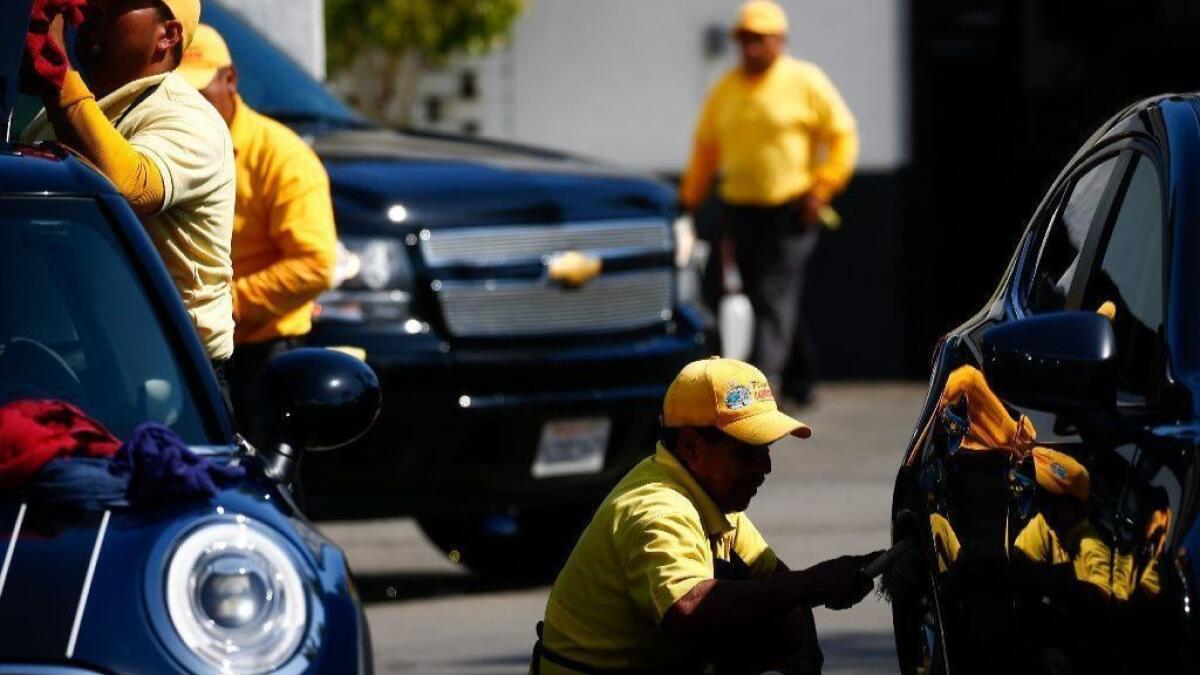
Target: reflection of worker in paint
945,542
1061,534
989,424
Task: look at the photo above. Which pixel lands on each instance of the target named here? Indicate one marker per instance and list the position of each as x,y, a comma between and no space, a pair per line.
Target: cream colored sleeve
837,131
192,149
79,123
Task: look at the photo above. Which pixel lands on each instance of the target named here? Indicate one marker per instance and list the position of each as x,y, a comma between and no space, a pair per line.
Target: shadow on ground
859,652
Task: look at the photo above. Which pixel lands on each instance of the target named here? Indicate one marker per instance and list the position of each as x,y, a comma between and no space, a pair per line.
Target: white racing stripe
87,584
12,547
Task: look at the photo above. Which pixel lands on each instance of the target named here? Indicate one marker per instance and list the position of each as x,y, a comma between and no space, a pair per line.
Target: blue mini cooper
236,582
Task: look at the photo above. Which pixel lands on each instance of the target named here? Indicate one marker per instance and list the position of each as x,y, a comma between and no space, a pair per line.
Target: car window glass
1130,276
77,325
1057,265
271,82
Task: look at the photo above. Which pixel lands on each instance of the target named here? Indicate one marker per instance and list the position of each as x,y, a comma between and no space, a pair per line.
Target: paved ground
826,496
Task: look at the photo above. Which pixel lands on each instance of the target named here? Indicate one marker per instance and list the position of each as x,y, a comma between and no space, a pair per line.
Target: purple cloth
161,467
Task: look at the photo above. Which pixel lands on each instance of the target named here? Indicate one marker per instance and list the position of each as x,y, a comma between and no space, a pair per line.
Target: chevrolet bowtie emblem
573,269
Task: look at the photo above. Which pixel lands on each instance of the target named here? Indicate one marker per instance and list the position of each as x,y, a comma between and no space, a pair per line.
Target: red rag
36,431
48,59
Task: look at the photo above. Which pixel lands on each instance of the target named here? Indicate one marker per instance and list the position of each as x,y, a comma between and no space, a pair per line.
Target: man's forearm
79,122
713,604
283,287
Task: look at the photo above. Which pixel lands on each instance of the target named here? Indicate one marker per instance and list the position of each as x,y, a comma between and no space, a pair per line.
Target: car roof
48,169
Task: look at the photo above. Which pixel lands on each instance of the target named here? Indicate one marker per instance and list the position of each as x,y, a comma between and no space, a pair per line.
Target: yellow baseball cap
763,17
732,396
186,12
207,55
1061,474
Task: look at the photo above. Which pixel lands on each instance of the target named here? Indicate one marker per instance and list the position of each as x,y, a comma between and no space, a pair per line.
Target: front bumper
460,427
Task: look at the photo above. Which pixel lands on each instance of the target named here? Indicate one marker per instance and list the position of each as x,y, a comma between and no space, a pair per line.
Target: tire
522,548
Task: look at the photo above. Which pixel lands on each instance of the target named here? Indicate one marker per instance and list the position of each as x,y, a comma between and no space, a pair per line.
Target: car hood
451,182
14,21
122,557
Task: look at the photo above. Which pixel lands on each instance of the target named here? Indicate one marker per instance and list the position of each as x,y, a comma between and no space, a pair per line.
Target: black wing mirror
314,400
1059,361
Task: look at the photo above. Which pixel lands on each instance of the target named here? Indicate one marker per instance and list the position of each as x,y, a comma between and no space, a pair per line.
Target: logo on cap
738,397
1060,472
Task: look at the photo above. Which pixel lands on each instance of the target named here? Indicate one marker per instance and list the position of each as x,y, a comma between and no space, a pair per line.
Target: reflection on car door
1047,528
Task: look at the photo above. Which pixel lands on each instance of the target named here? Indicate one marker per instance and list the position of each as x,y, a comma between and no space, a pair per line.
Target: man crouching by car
671,576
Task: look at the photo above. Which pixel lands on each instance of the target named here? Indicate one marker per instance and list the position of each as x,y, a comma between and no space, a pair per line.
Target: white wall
624,79
296,26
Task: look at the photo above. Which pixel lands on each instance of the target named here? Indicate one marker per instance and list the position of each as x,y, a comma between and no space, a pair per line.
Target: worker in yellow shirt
160,143
671,575
1061,533
284,239
783,143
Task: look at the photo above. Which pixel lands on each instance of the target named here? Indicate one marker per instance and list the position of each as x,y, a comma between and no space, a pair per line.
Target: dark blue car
1052,477
239,582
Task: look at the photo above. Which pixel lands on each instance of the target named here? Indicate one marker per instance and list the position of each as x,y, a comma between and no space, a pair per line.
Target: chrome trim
484,246
500,401
12,547
87,584
611,302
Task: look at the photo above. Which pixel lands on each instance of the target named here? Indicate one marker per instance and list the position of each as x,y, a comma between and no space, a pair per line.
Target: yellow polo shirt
1091,559
284,239
190,146
772,137
651,541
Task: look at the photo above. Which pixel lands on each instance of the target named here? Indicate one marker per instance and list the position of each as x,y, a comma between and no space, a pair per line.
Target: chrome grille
527,308
502,245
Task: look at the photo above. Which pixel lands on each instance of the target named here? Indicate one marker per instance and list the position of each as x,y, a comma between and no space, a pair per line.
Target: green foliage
432,29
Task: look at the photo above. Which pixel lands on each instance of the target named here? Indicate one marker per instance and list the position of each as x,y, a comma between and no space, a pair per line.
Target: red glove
45,60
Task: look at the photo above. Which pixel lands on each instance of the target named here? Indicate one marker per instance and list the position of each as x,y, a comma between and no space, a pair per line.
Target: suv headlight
372,283
235,597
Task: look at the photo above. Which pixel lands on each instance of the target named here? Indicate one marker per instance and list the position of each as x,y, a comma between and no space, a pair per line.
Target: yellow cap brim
198,77
765,428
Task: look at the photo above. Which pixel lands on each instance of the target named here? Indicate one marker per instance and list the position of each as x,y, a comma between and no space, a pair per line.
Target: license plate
570,447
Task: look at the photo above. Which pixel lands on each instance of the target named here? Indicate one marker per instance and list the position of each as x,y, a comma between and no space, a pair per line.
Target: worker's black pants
245,370
772,246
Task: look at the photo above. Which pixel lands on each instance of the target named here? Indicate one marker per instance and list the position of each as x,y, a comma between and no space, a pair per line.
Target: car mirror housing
315,400
1059,361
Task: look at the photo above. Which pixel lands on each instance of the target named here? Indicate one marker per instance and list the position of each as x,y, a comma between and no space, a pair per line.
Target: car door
1097,240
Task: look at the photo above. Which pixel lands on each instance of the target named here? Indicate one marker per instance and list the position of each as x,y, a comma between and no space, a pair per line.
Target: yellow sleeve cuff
73,90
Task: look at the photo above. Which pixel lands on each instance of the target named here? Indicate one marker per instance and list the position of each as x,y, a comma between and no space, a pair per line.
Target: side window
1059,258
1130,276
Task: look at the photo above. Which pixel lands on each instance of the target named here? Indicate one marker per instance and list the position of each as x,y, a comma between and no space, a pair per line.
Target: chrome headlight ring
231,596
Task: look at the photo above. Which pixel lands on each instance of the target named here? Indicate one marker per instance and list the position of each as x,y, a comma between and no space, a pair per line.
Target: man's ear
685,446
171,38
231,80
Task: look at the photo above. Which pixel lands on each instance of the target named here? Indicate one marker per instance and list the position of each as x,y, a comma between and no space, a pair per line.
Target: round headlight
235,597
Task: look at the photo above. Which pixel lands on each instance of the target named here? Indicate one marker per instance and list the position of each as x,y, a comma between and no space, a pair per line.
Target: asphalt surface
826,496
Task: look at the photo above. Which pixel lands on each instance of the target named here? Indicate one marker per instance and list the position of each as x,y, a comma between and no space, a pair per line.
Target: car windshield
76,322
271,82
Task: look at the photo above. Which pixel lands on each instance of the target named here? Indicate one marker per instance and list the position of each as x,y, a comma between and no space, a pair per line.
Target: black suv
520,306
